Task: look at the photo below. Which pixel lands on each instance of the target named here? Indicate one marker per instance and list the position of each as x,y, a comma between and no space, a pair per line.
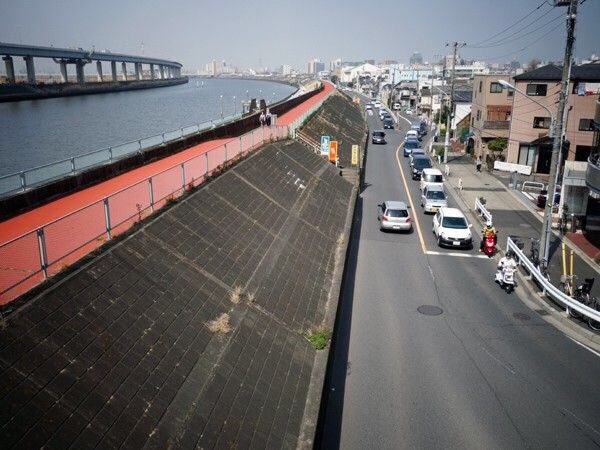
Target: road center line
412,206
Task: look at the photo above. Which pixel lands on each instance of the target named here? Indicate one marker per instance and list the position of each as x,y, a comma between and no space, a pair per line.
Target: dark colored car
409,145
422,128
419,163
378,137
388,124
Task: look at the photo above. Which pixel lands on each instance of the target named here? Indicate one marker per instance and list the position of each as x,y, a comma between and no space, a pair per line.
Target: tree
533,64
498,144
334,79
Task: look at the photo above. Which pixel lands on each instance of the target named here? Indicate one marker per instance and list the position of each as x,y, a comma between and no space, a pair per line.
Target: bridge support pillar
152,71
64,75
99,69
161,72
124,69
138,71
80,72
30,66
10,69
113,70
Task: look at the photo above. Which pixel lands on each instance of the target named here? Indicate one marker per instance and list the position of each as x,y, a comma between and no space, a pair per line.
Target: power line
515,38
526,46
514,24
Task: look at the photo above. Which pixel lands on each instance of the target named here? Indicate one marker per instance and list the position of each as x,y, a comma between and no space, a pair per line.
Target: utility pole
439,124
456,45
558,132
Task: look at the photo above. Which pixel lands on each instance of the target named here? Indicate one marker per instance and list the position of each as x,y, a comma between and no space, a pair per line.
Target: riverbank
25,91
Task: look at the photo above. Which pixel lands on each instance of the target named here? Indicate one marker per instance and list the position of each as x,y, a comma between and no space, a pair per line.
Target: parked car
451,228
396,106
409,112
377,104
378,137
419,163
409,146
388,123
431,177
416,152
433,198
394,215
369,107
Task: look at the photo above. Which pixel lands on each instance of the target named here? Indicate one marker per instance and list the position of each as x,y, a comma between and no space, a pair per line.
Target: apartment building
529,142
490,112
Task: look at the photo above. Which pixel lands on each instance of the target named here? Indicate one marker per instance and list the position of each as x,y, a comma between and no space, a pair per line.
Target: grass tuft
318,337
220,324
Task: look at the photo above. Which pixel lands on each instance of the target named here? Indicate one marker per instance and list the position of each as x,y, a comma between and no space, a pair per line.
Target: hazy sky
271,33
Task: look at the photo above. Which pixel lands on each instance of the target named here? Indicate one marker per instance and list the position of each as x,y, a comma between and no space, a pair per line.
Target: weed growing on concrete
170,200
318,337
236,295
251,297
220,324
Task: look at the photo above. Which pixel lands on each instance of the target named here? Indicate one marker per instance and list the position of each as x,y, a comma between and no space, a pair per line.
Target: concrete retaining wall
190,332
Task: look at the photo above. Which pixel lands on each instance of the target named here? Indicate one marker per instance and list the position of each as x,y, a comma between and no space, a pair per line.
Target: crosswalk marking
460,255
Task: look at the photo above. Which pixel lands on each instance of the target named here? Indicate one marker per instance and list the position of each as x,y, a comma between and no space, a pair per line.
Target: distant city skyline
273,34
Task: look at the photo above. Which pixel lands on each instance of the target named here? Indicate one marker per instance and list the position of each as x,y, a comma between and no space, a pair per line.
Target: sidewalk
513,216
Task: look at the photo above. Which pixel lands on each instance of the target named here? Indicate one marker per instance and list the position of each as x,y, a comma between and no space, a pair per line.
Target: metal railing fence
36,176
32,257
482,210
548,288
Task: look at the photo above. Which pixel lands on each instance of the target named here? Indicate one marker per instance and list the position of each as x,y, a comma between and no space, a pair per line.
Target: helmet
488,223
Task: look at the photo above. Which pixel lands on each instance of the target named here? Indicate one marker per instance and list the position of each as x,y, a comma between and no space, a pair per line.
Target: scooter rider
488,230
508,262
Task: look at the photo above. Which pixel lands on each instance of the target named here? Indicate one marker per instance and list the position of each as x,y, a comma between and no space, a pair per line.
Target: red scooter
489,245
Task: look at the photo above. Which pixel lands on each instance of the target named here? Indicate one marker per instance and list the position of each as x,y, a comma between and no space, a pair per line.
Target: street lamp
547,224
221,106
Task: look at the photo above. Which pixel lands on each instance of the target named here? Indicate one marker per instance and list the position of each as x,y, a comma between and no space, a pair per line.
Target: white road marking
584,346
460,255
402,117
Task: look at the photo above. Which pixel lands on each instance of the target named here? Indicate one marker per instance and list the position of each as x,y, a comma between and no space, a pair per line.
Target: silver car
394,216
433,198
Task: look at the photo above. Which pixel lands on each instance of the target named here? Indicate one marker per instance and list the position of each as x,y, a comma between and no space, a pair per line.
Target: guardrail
548,288
37,176
310,111
532,185
29,259
482,210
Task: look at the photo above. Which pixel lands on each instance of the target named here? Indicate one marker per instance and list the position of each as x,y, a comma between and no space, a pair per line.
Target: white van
430,177
413,133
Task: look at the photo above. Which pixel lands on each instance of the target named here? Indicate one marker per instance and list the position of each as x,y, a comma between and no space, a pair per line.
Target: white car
409,112
451,228
377,104
430,177
433,198
412,133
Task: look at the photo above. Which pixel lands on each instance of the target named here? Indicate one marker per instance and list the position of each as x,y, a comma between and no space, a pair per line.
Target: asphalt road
488,372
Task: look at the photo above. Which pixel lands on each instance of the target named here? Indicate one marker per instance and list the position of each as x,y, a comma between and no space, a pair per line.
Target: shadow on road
332,402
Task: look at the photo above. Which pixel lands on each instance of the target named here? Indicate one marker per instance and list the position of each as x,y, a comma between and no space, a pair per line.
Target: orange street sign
333,150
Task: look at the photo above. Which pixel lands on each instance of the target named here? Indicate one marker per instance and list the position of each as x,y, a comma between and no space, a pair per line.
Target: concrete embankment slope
342,120
191,331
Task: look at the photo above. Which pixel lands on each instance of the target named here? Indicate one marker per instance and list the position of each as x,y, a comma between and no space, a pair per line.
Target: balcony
592,174
496,125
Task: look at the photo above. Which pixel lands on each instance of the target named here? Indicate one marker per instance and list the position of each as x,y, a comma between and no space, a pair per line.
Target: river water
38,132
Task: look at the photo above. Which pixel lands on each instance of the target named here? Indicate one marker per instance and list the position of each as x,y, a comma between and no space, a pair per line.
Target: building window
527,154
472,122
586,124
536,90
541,122
478,115
495,88
510,92
480,85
